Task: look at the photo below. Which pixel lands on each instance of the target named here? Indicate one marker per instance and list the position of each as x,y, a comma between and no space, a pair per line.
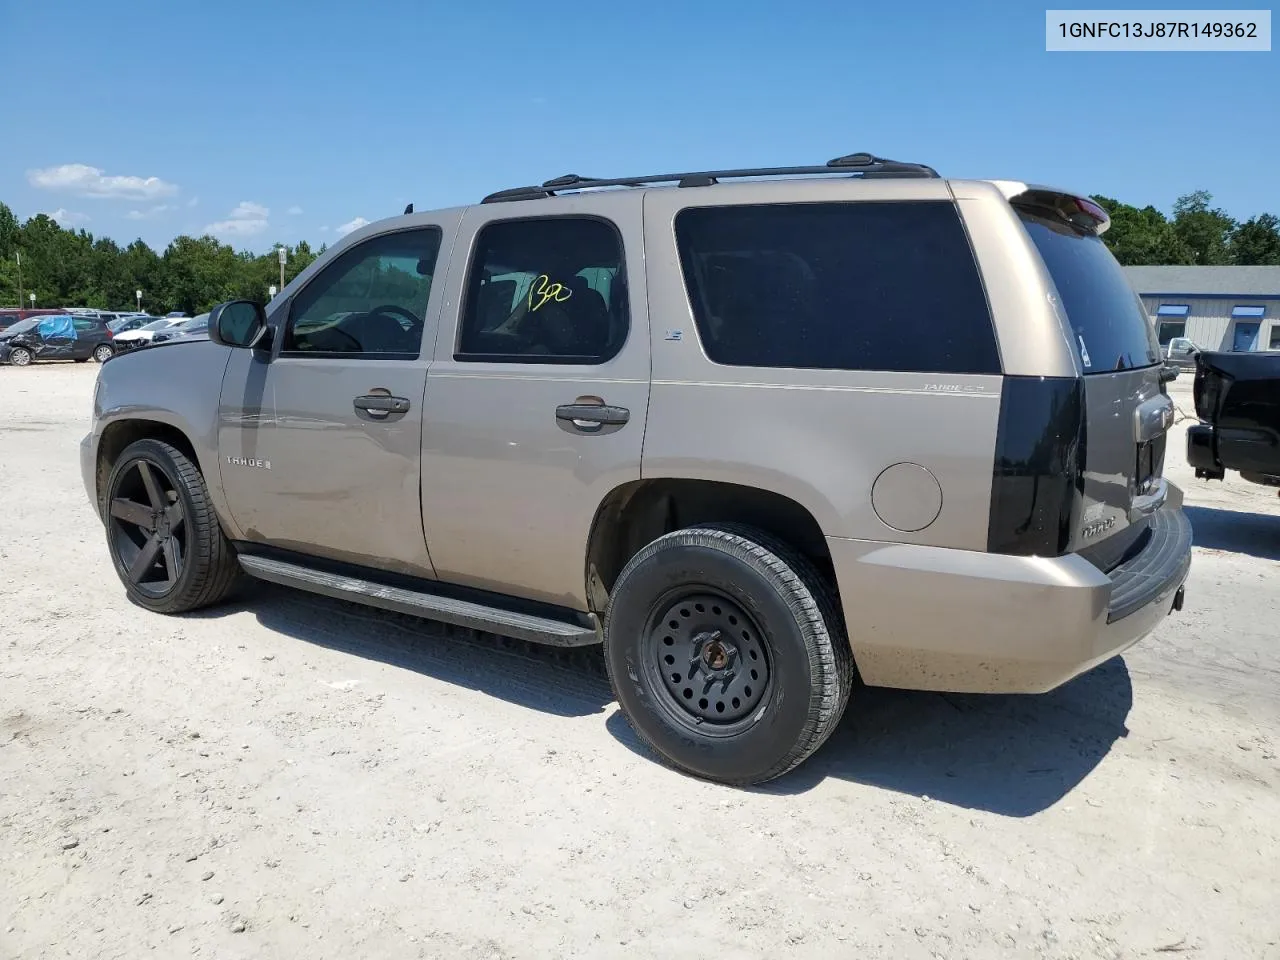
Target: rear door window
848,286
1108,324
545,290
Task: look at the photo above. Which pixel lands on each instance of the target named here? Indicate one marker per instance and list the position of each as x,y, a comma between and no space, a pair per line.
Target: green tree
198,273
1205,230
1142,236
1256,242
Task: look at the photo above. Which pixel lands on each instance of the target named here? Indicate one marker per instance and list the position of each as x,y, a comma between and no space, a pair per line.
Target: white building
1217,308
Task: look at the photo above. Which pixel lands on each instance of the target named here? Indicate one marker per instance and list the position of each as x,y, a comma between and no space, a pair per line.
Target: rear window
846,286
1110,328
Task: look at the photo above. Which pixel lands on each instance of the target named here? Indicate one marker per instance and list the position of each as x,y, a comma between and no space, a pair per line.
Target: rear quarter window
849,286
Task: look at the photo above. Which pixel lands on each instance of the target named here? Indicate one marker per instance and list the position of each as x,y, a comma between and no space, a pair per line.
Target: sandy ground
294,777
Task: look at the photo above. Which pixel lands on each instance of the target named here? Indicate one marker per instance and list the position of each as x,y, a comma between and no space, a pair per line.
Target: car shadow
568,682
1253,534
1010,755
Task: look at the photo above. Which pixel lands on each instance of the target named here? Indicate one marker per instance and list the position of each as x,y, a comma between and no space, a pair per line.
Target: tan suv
751,429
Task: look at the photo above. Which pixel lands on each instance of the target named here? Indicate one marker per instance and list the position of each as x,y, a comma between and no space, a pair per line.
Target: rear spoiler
1077,209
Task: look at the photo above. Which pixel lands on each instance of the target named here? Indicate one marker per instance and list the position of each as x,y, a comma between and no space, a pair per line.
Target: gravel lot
295,777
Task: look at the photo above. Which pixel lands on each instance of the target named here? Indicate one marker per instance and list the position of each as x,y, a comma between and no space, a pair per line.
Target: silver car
752,430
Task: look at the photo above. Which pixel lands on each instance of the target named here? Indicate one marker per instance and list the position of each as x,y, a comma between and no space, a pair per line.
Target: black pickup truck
1237,398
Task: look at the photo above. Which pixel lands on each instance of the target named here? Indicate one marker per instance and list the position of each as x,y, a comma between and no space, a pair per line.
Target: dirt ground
295,777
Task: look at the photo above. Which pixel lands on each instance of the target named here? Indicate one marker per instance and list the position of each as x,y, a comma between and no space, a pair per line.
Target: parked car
1181,350
1237,398
56,337
197,326
123,324
745,428
141,336
10,316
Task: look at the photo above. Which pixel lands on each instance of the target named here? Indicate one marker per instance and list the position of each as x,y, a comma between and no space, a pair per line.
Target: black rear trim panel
1037,485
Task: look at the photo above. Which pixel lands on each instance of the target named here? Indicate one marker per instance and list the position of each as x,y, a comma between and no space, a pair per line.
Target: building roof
1205,281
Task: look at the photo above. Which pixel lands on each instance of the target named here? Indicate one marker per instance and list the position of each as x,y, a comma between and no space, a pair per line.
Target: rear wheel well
636,514
118,435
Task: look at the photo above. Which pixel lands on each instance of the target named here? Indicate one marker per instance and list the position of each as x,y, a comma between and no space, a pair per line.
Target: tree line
72,268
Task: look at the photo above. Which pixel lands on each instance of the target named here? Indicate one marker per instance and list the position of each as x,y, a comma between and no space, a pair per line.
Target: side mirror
1169,372
237,323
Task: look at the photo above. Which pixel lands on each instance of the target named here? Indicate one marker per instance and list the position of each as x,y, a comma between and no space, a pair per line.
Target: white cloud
248,210
151,212
193,201
67,218
324,229
350,225
86,181
246,220
294,211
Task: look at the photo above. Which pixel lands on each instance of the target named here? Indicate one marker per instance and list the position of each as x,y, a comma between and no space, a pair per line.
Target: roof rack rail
859,164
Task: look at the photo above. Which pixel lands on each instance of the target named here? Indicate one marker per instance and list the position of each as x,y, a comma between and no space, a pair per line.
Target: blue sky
278,120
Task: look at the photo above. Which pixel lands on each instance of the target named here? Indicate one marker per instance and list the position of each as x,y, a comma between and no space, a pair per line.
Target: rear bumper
931,618
1200,451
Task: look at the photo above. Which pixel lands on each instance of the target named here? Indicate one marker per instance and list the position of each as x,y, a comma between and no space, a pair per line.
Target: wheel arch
638,512
119,434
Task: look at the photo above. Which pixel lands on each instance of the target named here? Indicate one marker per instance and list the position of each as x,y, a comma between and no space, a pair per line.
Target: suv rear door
537,398
1127,411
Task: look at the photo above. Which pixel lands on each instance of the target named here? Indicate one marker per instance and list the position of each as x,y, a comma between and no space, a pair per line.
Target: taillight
1037,482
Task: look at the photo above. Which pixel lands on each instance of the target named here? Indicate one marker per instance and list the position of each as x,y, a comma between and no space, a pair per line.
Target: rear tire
80,359
103,352
696,618
163,535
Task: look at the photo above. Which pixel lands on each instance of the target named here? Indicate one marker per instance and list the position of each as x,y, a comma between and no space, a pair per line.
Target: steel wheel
147,528
103,352
712,658
20,356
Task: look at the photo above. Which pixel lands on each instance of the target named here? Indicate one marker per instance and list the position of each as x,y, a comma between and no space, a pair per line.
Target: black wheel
727,653
20,356
103,352
80,359
164,537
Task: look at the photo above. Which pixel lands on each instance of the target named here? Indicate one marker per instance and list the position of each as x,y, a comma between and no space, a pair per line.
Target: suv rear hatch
1112,468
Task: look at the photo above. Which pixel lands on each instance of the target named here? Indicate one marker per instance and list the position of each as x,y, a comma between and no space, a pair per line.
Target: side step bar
463,613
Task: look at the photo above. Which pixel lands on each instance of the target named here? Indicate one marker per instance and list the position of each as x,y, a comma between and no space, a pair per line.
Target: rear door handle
380,406
591,417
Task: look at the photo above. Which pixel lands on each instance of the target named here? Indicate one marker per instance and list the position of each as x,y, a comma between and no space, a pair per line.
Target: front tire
20,357
727,653
162,532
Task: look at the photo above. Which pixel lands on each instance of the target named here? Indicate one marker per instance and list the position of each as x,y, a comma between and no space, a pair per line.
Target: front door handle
380,405
591,417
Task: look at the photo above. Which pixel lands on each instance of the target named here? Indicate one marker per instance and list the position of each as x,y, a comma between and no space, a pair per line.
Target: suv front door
319,440
538,394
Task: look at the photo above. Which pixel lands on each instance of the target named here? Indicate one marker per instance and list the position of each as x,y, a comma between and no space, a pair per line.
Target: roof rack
860,164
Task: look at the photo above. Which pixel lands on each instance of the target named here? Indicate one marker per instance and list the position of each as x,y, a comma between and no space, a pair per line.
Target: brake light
1094,212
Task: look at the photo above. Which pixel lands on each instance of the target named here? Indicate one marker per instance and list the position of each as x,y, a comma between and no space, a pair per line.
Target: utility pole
138,296
284,255
18,256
